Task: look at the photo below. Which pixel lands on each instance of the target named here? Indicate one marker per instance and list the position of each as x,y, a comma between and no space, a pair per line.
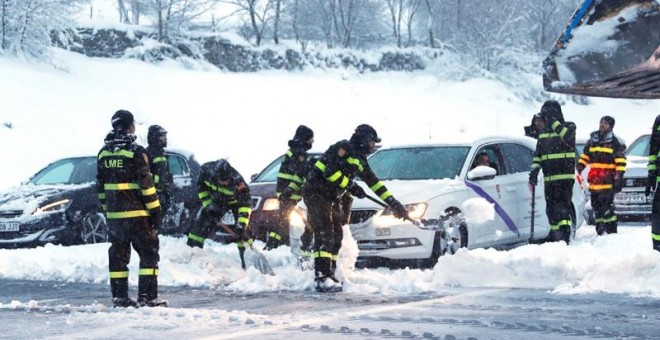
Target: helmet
122,120
303,133
157,136
364,134
221,170
552,109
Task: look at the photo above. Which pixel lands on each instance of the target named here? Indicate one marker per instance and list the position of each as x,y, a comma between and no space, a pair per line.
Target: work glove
618,183
651,183
399,210
534,176
357,191
242,235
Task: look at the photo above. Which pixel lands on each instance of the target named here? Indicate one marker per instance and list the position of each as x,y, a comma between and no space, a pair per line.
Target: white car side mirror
481,172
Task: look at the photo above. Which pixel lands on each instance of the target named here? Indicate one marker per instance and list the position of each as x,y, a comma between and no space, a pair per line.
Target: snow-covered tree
172,17
28,25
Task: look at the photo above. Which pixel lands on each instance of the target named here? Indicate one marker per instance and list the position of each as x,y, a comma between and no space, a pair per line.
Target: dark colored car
60,205
265,206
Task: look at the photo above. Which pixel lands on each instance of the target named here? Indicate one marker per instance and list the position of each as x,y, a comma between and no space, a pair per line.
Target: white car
455,204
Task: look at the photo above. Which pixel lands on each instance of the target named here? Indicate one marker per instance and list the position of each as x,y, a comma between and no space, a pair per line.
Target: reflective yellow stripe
219,189
655,237
203,194
558,155
207,202
559,177
153,205
118,275
275,235
160,159
296,197
376,186
319,165
241,244
334,177
601,149
355,162
102,195
243,220
602,166
385,195
585,157
652,158
196,238
322,254
244,210
651,167
127,214
596,187
583,162
620,168
620,160
294,178
122,153
288,153
147,192
148,272
156,179
607,220
344,182
121,186
548,135
334,257
294,186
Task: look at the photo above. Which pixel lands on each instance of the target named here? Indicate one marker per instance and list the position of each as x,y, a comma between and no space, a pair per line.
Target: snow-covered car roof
531,142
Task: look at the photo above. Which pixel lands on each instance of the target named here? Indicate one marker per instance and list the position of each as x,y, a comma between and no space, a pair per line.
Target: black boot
148,292
124,302
119,289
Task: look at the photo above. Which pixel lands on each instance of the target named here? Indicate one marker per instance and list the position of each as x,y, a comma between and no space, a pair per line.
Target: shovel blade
261,263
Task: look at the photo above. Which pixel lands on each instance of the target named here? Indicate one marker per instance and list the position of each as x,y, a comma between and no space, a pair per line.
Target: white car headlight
53,206
271,204
415,210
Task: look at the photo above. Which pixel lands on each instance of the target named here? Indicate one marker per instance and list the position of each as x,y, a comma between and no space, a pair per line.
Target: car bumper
392,240
33,232
633,204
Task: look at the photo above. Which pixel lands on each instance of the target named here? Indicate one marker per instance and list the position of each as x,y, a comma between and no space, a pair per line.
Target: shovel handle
377,201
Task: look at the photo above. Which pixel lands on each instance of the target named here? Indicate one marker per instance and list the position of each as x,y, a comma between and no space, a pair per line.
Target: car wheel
94,228
455,233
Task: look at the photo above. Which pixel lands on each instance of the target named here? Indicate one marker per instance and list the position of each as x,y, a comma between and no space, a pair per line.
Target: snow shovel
261,263
377,201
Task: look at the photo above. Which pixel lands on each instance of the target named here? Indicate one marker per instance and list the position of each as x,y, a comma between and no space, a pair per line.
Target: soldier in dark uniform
160,170
651,185
221,189
126,190
329,183
605,155
555,154
290,179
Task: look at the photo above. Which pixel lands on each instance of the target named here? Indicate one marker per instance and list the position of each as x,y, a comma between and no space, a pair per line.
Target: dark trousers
278,233
325,217
655,222
136,232
603,204
207,222
558,199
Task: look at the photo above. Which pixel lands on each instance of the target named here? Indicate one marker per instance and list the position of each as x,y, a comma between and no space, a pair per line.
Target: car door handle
510,189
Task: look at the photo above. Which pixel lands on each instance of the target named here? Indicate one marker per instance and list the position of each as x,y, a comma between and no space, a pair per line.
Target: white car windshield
67,171
428,162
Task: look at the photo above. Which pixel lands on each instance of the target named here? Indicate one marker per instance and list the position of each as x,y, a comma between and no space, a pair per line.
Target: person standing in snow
221,189
126,191
328,184
160,170
555,155
605,154
651,185
291,177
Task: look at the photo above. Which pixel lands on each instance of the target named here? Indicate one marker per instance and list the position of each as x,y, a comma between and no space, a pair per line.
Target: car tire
455,235
94,228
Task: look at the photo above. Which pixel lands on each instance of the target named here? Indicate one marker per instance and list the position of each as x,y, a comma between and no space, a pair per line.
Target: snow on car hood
636,166
413,191
28,197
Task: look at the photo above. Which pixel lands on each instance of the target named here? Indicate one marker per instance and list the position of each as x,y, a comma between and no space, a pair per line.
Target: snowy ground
65,111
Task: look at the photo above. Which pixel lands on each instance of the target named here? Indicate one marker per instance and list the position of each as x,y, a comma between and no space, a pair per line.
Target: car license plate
383,231
630,198
7,227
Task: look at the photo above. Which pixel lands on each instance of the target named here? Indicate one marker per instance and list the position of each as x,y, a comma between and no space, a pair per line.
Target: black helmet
122,120
221,169
303,133
157,136
552,109
364,134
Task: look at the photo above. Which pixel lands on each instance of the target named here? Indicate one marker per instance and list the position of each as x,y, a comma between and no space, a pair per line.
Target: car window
491,151
58,172
640,147
178,165
84,171
517,158
419,162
